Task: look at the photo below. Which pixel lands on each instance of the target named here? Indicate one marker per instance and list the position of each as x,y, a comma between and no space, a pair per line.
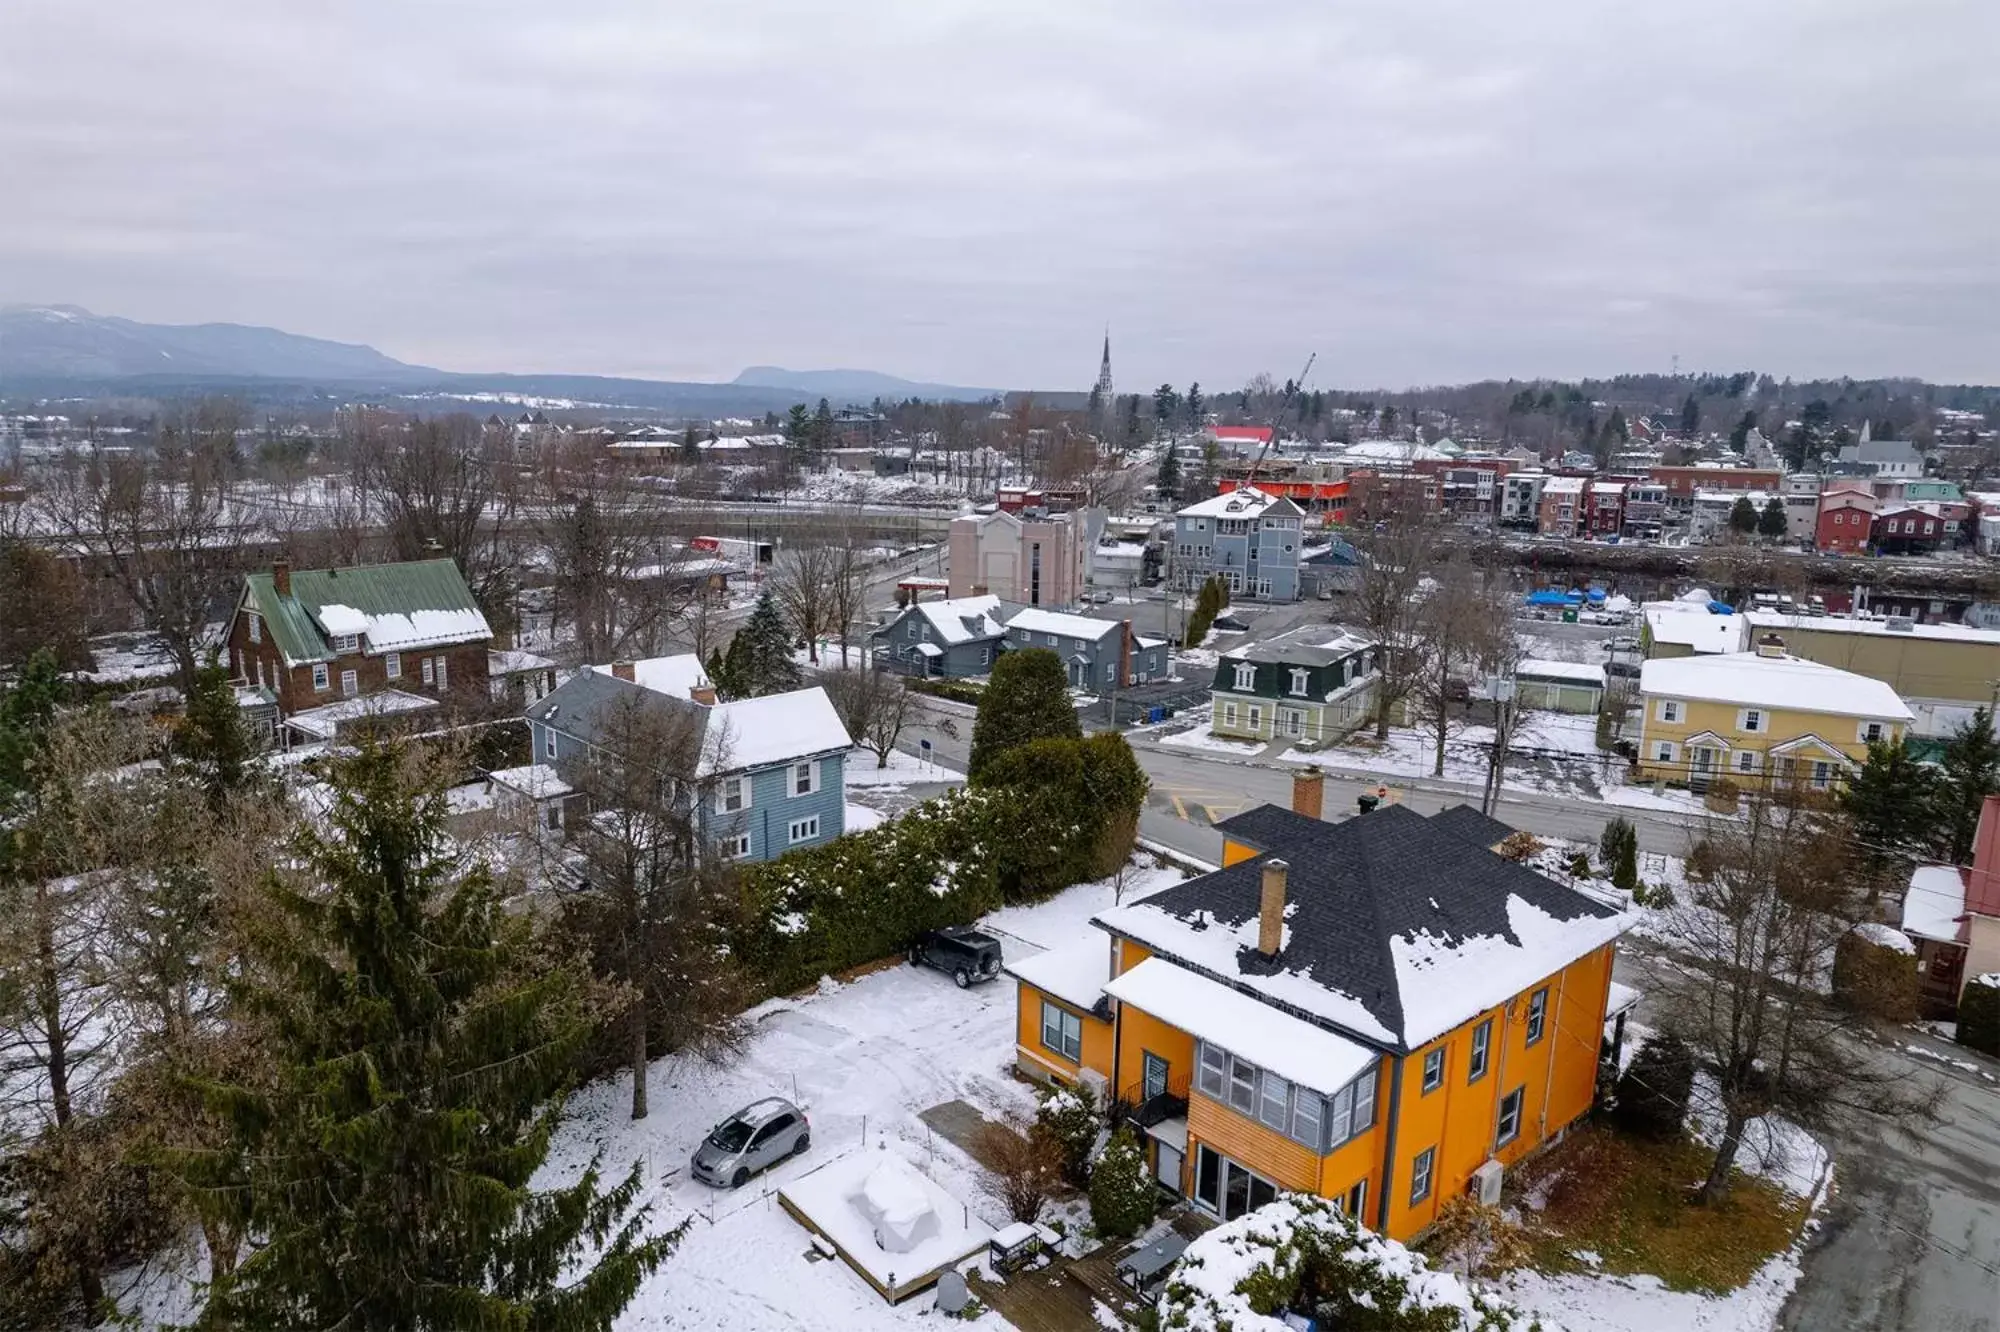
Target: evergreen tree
1122,1194
1616,427
1969,772
822,428
1196,407
1130,431
25,713
1027,699
1739,437
1169,481
1618,849
1772,521
1892,800
717,669
1653,1091
1389,419
765,665
419,1054
1690,417
212,739
690,447
798,427
1166,406
1743,516
1208,603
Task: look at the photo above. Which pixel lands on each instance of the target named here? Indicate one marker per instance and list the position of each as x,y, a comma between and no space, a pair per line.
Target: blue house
1250,539
954,638
1098,655
772,772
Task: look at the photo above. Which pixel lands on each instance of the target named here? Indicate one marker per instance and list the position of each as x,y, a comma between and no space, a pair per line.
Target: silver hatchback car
755,1138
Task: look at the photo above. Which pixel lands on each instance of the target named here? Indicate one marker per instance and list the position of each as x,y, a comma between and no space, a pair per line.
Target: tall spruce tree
419,1054
1170,475
1027,699
1969,772
1743,516
212,739
1772,522
1892,800
764,664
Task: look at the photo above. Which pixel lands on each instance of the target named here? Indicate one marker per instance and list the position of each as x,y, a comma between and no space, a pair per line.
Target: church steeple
1104,393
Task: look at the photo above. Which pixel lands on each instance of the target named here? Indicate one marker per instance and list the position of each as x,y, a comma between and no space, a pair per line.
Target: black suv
963,954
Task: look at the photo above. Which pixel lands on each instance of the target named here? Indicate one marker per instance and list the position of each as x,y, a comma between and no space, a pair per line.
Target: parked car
755,1138
964,954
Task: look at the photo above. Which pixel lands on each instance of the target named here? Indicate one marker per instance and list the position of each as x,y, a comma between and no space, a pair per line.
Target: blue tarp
1552,598
1721,608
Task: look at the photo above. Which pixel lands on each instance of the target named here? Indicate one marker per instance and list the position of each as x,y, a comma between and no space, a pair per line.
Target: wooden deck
1063,1296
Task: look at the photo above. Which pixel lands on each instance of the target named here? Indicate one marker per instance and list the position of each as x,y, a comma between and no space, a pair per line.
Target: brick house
315,637
1908,529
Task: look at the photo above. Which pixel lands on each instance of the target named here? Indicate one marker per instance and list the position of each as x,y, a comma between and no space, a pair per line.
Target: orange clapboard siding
1245,1141
1140,1033
1028,1036
1130,954
1235,853
1361,1156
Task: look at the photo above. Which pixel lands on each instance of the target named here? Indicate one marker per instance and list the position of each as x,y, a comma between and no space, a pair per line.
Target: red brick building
1907,529
314,637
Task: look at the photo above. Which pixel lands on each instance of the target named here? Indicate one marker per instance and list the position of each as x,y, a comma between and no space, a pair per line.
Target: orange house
1380,1011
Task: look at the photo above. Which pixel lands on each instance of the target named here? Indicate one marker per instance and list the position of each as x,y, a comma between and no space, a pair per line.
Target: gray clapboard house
954,638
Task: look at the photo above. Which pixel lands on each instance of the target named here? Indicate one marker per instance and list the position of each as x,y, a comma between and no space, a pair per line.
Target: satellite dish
952,1296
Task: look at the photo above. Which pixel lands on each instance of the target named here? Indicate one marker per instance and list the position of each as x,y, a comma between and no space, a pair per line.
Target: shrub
1027,700
1979,1014
1653,1091
1875,972
1074,808
1579,865
1520,846
1208,603
1122,1196
958,691
1618,851
1025,1164
1300,1254
1067,1120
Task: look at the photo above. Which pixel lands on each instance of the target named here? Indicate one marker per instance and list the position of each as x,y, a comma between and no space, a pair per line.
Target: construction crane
1292,390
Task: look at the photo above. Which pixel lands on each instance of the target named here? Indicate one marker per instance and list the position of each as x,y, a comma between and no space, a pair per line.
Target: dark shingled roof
1356,885
1476,828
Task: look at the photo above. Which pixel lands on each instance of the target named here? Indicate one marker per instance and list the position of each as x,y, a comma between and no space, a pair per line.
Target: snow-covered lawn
903,770
860,818
1200,737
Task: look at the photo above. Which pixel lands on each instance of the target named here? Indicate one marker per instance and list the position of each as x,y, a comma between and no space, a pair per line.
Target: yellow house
1380,1011
1760,716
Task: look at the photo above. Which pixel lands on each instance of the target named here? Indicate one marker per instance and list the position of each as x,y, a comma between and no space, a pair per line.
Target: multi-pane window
1299,678
256,627
443,664
1538,1014
1434,1069
1420,1175
1510,1118
1670,710
320,679
1319,1122
548,742
805,778
350,684
1242,1086
1062,1031
1482,1041
345,642
737,847
1273,1105
804,830
392,665
430,671
1214,1070
1246,675
1306,1114
732,795
1753,719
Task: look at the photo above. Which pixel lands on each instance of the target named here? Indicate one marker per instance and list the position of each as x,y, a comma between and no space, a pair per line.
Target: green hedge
1979,1014
1067,814
958,691
1876,979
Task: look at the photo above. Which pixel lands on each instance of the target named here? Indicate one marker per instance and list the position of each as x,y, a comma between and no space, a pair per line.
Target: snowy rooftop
1687,625
676,675
392,631
755,732
536,781
1844,624
1074,974
887,1218
322,722
1564,485
1264,1035
1037,621
515,661
1933,906
1536,668
1246,503
963,619
1393,450
1746,679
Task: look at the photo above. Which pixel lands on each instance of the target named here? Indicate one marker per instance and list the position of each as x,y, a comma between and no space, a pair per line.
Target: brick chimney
703,694
1271,909
624,671
281,576
1309,792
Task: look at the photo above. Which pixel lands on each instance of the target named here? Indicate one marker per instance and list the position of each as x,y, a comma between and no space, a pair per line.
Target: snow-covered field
903,770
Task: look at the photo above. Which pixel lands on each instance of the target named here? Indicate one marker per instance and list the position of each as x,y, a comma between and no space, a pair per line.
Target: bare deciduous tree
875,707
1397,554
1026,1168
1771,896
803,583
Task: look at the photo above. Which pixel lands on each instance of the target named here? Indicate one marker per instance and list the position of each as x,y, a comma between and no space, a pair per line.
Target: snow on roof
1248,502
756,732
1564,485
322,722
678,675
1687,625
514,661
1261,1033
1935,902
1537,668
1074,974
1446,984
963,619
1037,621
1845,624
1882,936
1393,450
1746,679
393,631
537,781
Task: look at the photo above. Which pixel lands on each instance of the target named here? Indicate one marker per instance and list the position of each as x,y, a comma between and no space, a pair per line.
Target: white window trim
392,665
1064,1021
811,767
322,681
548,742
1246,675
1670,711
350,684
1748,762
741,786
346,642
1538,1015
736,846
1666,751
1745,716
1427,1083
443,672
1229,715
1300,678
1423,1166
256,626
1253,717
1481,1059
803,830
1887,735
429,671
1504,1132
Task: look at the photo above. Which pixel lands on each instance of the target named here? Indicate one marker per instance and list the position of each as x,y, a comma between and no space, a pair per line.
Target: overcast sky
1419,190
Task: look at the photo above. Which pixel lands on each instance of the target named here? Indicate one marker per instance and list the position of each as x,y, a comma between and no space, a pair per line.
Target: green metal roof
373,589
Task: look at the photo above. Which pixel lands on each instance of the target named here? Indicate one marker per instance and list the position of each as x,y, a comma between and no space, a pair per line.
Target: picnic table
1145,1270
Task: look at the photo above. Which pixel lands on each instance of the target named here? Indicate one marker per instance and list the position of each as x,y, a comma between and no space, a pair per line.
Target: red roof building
1846,522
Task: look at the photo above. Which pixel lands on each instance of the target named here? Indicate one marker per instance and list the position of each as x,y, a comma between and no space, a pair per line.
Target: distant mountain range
64,350
857,385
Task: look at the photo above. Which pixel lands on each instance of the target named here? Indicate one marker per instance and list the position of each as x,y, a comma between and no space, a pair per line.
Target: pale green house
1313,684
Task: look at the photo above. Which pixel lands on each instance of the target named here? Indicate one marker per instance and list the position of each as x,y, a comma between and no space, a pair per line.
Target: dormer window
1246,675
1299,678
346,642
